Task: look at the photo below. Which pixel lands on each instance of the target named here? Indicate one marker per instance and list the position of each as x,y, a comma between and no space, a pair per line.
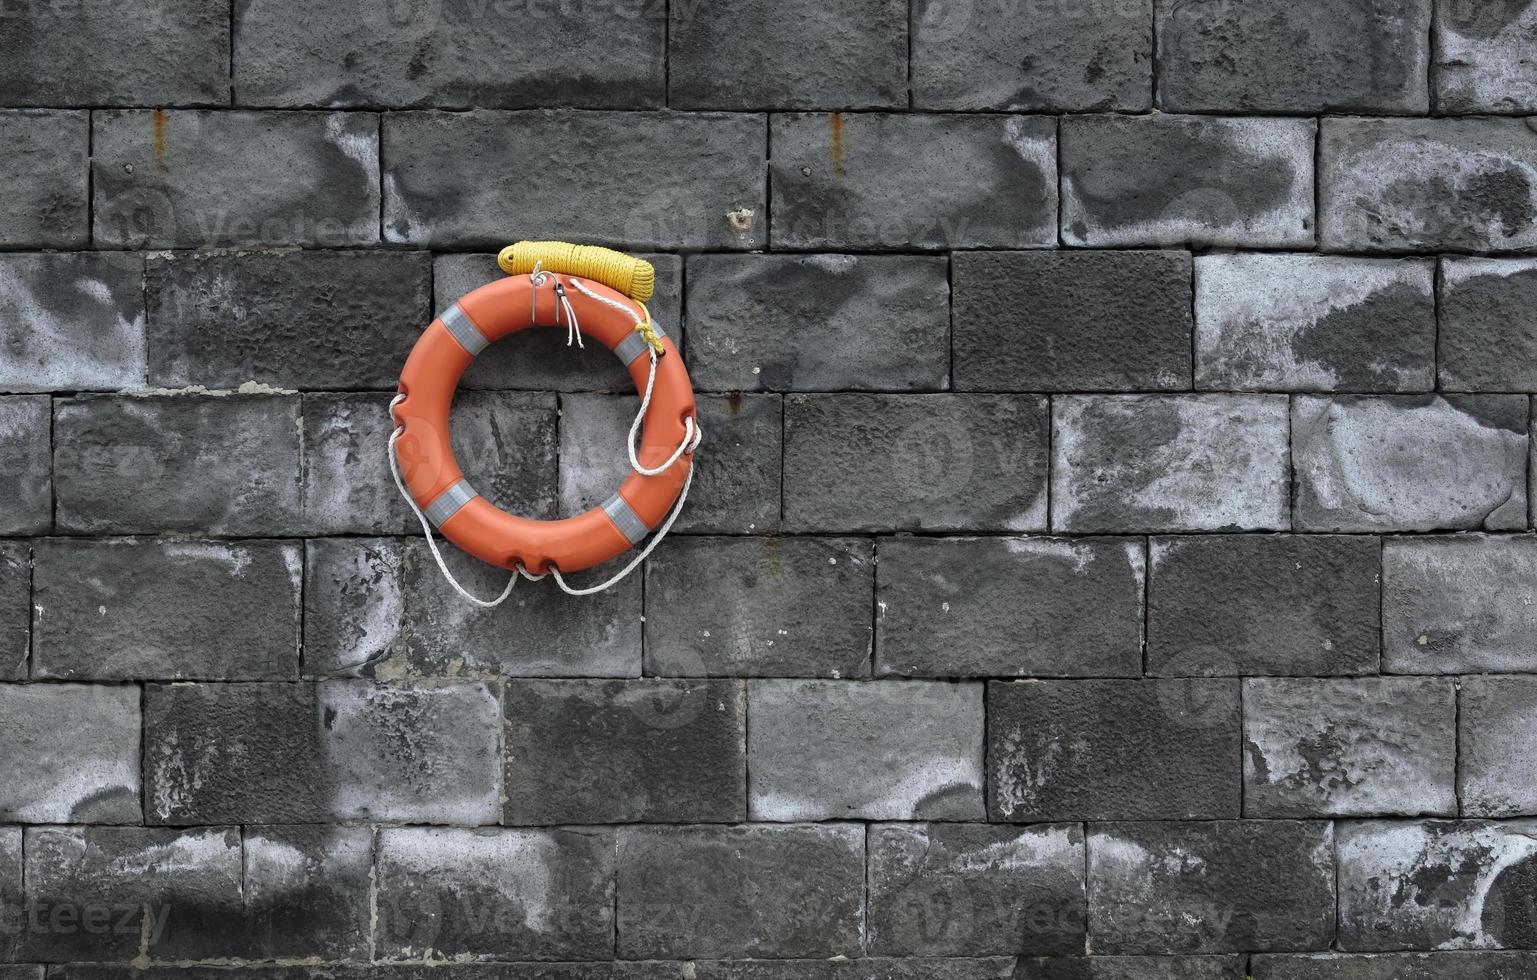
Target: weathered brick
738,607
44,173
1497,724
12,899
664,751
1112,750
930,462
95,52
495,894
1410,462
1263,604
1459,605
1349,747
541,359
1061,321
787,54
1314,323
1396,966
465,178
854,181
1169,463
435,969
867,968
71,753
1023,607
1171,180
1049,57
306,892
741,891
1425,185
1308,57
976,890
1483,57
1436,884
26,469
132,609
71,320
1217,886
21,972
812,754
220,465
1488,338
818,322
461,54
307,753
178,178
15,609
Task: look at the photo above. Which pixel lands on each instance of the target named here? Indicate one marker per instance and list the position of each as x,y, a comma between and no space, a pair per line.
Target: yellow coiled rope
631,276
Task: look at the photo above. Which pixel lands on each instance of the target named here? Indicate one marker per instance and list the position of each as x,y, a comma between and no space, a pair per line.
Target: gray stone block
1170,463
15,609
45,174
1488,338
1314,323
1113,750
26,466
13,903
1263,604
743,891
71,753
1308,57
188,177
1436,884
307,892
1172,180
1410,462
1219,886
812,751
1459,605
976,890
855,181
72,321
1483,57
466,178
1497,722
174,610
915,462
487,894
1396,966
787,54
865,968
759,607
224,465
1021,607
436,969
1062,321
1427,185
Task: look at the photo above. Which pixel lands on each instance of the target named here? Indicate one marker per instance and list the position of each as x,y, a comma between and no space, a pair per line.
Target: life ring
661,466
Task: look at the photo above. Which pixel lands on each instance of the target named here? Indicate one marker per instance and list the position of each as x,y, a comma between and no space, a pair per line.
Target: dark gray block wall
1111,558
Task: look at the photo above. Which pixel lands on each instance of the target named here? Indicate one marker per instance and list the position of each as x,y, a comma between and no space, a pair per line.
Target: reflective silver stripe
634,345
625,519
448,502
464,330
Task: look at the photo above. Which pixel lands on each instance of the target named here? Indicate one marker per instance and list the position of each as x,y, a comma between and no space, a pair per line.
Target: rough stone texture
1263,604
1349,747
307,892
1488,338
1307,57
1211,887
1396,966
1023,607
880,750
1169,180
220,465
975,890
465,178
738,607
818,323
1484,60
1410,462
86,772
1459,605
1425,185
438,970
787,54
1169,463
26,469
1314,323
15,609
1066,321
178,178
464,54
1436,884
742,891
915,462
1112,749
13,902
1497,722
663,751
72,320
853,181
44,171
137,609
1040,56
865,968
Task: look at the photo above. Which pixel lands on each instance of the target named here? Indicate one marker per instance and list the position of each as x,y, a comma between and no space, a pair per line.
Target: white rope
656,539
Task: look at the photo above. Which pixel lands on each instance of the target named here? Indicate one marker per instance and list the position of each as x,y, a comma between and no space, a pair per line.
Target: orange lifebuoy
432,474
